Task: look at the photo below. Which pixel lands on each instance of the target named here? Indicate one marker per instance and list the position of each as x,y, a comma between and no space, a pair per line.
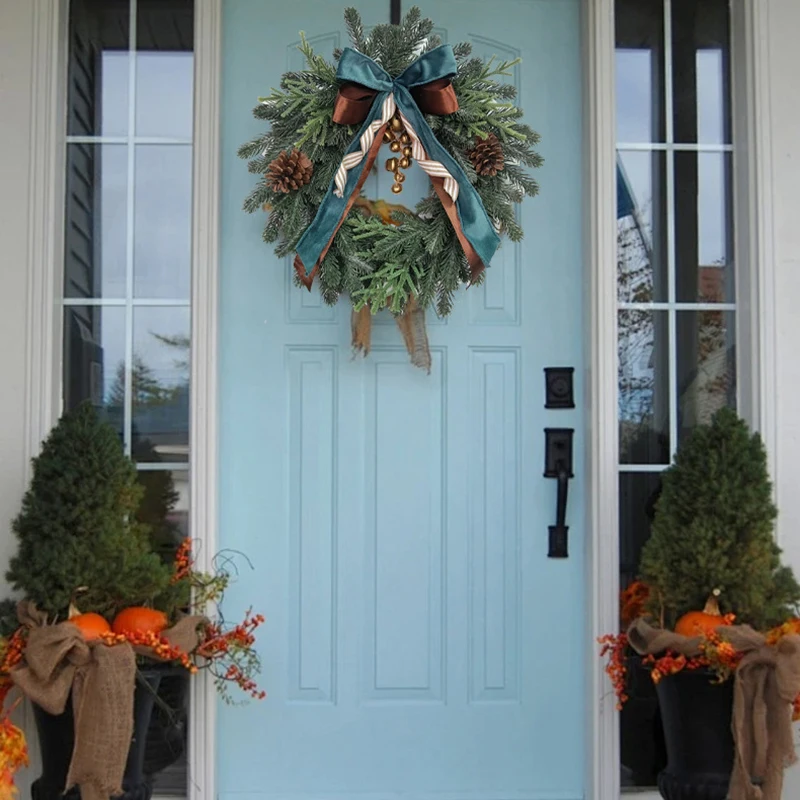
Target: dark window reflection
96,223
640,70
98,71
704,228
643,378
160,385
94,347
700,71
642,267
164,68
706,366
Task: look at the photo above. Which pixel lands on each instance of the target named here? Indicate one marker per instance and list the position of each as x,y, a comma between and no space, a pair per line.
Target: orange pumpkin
701,623
92,626
138,619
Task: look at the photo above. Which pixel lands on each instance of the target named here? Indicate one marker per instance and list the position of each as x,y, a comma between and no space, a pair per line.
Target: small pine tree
77,531
713,529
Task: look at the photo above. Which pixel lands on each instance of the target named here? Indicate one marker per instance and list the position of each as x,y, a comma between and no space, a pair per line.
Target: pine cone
487,156
289,171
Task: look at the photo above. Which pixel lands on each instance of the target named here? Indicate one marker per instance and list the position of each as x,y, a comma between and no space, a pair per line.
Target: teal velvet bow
356,68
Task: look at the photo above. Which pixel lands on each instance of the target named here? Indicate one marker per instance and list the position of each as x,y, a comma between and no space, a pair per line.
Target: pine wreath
419,257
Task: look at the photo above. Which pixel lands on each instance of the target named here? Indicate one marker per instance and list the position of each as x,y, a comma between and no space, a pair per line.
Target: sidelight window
676,288
127,256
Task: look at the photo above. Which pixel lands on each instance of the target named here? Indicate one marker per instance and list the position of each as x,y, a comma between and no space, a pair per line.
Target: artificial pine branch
421,256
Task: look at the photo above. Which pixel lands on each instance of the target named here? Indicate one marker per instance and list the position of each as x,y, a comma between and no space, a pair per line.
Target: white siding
16,74
784,112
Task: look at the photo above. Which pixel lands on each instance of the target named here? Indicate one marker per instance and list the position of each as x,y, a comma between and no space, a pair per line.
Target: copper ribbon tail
476,266
308,280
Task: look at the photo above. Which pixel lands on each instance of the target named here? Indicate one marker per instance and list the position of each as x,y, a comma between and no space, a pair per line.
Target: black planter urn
57,738
696,715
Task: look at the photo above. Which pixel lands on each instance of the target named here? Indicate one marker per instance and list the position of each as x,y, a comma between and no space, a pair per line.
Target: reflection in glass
165,510
641,227
704,228
643,387
706,366
164,68
97,82
160,375
94,344
96,220
642,750
638,492
162,227
640,70
164,94
700,71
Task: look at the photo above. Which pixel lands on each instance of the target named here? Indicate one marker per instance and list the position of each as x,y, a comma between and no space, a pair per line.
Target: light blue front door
419,641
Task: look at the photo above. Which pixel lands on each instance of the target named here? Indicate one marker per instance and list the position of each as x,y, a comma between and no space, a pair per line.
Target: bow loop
370,97
436,64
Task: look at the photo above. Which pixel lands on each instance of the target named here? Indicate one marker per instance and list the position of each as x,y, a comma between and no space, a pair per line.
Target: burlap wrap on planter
765,684
59,663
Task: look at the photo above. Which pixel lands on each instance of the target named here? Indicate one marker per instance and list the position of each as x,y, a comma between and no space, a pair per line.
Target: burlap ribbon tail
59,665
766,682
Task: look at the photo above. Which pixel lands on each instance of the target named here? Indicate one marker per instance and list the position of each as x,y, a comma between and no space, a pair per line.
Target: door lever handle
558,465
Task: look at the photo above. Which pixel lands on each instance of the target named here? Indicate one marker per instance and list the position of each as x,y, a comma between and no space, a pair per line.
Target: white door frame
754,224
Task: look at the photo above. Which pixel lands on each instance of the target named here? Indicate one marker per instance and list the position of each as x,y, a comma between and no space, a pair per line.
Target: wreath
429,103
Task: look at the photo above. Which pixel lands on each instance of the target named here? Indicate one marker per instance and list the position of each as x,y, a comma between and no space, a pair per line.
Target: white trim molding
602,724
203,451
45,222
754,224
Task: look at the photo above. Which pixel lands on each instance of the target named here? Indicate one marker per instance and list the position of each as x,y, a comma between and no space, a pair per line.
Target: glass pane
162,227
638,492
94,359
642,749
96,199
640,70
165,508
98,71
706,366
164,68
160,385
703,228
700,71
641,227
643,387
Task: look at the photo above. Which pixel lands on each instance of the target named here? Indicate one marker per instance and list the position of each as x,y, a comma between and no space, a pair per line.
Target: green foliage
422,256
713,528
78,531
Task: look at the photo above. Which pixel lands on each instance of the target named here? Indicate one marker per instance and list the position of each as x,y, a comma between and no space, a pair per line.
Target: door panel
418,639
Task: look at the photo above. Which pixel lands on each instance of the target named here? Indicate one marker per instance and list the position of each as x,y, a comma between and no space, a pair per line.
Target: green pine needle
381,265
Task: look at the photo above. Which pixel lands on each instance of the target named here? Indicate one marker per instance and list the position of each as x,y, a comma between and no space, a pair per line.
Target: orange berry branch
716,653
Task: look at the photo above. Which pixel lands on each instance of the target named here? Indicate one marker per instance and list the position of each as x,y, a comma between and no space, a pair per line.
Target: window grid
669,147
129,302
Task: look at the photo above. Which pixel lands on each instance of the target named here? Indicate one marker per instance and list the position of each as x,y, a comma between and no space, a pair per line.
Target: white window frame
753,218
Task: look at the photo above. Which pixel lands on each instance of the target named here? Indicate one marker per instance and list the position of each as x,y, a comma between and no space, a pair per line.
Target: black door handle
558,465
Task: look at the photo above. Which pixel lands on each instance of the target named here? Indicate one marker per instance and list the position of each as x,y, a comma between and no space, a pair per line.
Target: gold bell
405,138
408,151
391,164
405,162
399,177
388,136
397,188
397,124
395,146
